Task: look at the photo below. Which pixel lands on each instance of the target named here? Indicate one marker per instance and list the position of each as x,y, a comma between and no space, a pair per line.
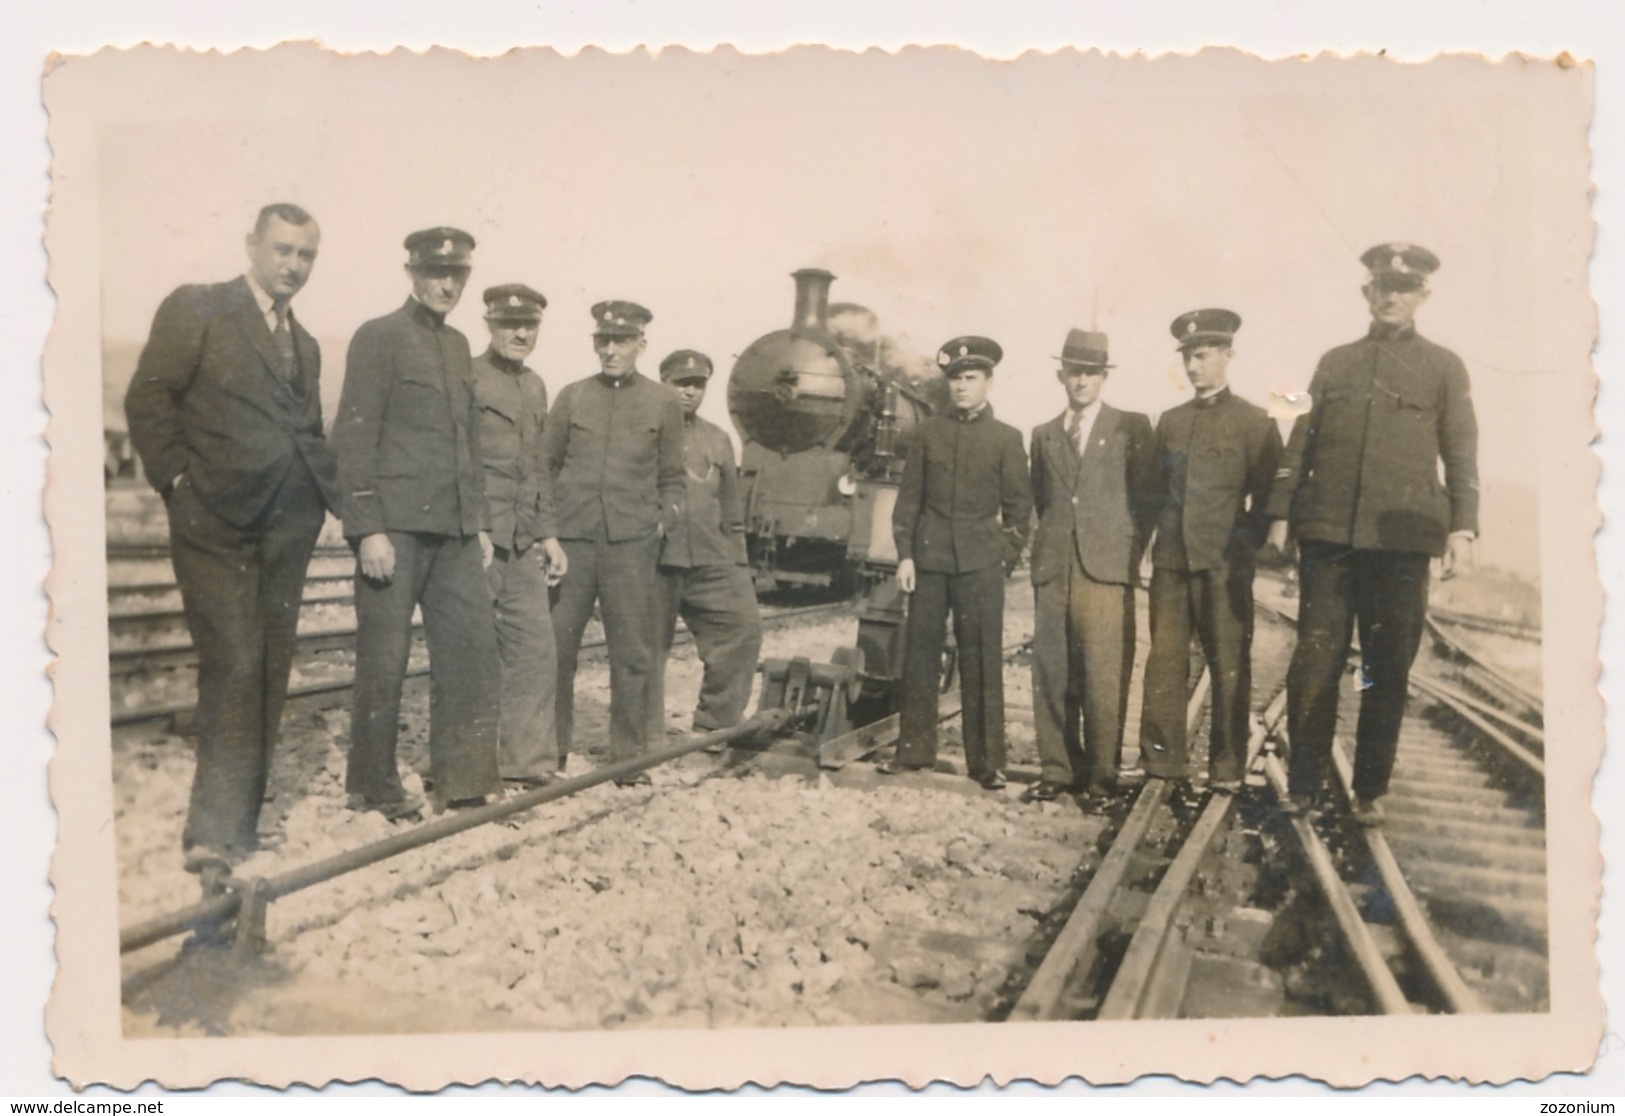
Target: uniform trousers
976,600
718,603
620,578
1216,606
240,588
1385,593
1083,654
529,741
444,575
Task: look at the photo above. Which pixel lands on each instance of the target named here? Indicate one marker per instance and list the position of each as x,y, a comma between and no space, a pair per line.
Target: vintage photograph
821,567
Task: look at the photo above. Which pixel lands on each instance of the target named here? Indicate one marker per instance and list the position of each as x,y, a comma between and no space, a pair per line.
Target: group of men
464,498
1210,488
504,522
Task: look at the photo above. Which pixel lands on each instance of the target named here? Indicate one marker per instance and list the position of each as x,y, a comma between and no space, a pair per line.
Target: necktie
1074,428
283,337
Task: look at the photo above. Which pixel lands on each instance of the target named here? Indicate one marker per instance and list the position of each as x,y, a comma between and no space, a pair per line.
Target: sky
948,193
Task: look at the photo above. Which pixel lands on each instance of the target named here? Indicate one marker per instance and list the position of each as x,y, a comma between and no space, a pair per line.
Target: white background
1588,30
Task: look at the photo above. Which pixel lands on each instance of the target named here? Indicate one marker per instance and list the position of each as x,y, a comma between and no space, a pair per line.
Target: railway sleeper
1512,858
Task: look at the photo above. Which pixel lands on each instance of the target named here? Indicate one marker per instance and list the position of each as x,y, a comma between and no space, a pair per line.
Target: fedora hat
1085,347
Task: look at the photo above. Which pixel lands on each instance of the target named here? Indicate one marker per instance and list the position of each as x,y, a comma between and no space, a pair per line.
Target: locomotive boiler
825,420
824,426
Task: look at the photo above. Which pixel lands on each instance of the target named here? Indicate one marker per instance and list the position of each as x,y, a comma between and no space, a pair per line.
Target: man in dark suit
1094,486
1216,457
407,439
1359,486
614,443
963,511
225,412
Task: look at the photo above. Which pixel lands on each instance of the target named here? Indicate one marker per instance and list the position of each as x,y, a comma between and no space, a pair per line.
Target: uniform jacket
1362,467
512,402
1098,510
710,531
1216,461
965,502
208,400
407,434
616,454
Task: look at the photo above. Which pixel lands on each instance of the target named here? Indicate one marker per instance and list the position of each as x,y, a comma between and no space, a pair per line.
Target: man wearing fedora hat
1359,487
414,508
1094,487
1216,457
963,510
526,555
614,444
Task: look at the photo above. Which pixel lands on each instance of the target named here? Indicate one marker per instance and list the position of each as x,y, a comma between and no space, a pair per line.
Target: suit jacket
616,453
1362,467
518,487
1216,461
407,434
208,400
711,529
965,501
1098,510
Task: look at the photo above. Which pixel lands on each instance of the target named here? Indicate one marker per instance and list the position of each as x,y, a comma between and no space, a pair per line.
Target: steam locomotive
825,415
824,419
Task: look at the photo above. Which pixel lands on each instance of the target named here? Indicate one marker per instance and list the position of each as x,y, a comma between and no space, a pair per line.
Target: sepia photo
821,567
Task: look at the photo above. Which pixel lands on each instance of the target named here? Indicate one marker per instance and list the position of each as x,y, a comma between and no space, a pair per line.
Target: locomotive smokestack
812,298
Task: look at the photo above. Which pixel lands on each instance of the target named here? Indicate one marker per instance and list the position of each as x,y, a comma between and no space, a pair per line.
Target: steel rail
1356,934
1041,998
163,588
1127,996
211,912
157,617
1463,707
143,713
1529,633
1413,920
1502,684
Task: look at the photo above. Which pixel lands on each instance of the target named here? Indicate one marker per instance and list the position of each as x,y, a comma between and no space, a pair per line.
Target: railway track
1441,910
135,668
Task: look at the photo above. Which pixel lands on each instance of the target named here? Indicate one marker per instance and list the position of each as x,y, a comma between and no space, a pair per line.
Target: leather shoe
1045,791
1096,802
406,808
896,767
1298,805
527,782
1368,812
637,779
993,780
1226,787
1132,776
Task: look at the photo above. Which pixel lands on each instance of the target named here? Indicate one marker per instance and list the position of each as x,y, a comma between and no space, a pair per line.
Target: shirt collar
499,361
423,314
262,297
1087,414
1215,399
616,383
971,416
1381,332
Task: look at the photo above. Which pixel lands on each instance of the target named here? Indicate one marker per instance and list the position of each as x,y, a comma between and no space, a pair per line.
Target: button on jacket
965,500
711,529
1362,467
512,403
615,449
407,434
1217,459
